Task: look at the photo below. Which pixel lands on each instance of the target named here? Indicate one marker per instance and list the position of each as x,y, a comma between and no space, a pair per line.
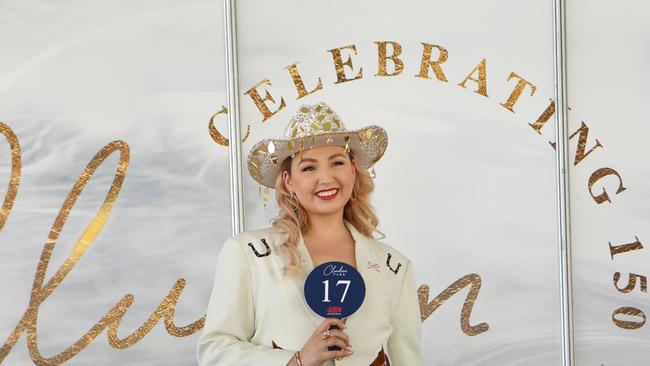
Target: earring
353,197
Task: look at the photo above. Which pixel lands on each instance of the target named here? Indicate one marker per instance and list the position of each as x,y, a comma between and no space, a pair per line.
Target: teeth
326,193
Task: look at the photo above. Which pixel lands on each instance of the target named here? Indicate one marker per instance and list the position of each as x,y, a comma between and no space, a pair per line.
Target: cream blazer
256,317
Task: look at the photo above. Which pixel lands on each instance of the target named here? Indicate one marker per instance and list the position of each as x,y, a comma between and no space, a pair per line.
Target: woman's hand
315,351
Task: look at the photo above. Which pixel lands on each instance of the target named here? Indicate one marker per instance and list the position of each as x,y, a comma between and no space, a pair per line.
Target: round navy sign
334,290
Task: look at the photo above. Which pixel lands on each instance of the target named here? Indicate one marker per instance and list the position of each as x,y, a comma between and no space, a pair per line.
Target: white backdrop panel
466,186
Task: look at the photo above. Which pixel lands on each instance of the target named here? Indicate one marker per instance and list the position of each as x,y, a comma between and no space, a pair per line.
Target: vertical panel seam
234,129
562,181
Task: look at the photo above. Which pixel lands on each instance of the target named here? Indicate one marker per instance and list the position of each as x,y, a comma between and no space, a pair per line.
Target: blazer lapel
298,281
368,265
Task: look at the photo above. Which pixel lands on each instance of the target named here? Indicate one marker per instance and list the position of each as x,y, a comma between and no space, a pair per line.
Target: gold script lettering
474,282
481,69
516,93
624,248
216,135
582,142
543,118
382,58
600,174
434,65
299,84
14,179
261,102
40,292
339,64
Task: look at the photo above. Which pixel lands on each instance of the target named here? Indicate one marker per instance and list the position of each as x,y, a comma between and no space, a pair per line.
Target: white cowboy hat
313,126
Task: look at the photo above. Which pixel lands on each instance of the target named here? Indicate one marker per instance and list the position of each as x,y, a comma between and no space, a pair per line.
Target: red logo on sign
334,310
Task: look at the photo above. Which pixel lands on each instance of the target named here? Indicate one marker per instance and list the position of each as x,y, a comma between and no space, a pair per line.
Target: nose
325,176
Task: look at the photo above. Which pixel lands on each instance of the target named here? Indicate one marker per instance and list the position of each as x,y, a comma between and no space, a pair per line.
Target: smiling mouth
328,194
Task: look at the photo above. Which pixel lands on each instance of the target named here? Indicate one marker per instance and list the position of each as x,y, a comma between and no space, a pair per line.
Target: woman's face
322,180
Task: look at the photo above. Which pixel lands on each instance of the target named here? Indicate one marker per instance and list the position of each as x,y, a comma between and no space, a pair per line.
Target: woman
257,313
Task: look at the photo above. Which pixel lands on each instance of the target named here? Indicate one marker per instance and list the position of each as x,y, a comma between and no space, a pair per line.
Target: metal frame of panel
234,125
562,179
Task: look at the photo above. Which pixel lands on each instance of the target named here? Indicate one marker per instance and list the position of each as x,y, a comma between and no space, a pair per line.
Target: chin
332,209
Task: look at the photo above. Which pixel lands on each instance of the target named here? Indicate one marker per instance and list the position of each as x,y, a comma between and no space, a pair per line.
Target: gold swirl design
14,180
216,135
40,292
427,308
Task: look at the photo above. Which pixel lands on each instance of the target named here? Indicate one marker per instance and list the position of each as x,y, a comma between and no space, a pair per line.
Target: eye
307,168
339,162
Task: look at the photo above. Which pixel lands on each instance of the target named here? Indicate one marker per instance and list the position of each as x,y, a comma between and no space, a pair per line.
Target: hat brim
265,158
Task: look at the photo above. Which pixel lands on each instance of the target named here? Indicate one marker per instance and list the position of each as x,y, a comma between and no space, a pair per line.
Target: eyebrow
314,160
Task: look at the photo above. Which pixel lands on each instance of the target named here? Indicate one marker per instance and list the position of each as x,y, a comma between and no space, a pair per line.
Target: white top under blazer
256,317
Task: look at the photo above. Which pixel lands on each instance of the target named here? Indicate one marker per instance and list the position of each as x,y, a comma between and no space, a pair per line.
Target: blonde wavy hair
292,219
